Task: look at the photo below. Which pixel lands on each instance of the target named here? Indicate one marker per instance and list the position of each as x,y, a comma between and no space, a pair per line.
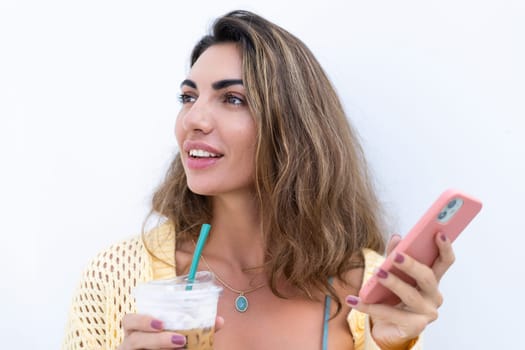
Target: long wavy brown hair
317,203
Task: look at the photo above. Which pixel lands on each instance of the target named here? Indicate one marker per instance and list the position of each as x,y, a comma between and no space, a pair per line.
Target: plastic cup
187,311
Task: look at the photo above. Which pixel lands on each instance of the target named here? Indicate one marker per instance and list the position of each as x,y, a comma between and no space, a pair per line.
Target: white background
88,99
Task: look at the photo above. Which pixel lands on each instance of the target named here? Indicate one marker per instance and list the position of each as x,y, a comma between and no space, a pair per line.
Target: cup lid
178,287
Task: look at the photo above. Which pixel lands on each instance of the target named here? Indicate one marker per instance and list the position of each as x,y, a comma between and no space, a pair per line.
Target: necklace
241,302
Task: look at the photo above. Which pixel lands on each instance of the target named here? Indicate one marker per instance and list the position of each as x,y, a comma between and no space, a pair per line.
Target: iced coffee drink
198,338
185,308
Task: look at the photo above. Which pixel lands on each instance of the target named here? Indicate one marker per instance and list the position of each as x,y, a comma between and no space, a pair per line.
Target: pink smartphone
449,214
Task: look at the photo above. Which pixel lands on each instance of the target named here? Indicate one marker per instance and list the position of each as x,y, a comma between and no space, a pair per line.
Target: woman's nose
198,117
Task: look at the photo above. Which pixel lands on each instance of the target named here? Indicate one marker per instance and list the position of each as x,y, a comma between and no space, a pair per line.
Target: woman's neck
235,233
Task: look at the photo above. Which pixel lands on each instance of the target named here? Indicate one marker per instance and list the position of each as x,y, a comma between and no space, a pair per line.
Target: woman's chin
201,190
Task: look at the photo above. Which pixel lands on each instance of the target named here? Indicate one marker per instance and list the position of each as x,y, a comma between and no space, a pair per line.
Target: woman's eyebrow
221,84
189,83
218,85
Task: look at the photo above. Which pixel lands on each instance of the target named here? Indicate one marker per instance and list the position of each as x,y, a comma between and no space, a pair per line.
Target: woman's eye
234,100
185,98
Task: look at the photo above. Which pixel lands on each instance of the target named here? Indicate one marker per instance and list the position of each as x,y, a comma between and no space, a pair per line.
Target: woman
267,157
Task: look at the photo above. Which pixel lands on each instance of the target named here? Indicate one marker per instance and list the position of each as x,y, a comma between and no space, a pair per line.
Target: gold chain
240,292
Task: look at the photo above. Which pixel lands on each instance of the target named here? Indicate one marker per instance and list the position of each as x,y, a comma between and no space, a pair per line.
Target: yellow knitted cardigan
104,293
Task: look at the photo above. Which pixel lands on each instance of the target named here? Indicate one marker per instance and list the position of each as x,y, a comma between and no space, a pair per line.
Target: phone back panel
419,242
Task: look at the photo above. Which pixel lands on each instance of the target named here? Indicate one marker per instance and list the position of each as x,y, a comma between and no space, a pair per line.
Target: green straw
203,235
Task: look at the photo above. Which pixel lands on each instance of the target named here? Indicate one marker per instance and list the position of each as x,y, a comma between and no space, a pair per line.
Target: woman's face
215,131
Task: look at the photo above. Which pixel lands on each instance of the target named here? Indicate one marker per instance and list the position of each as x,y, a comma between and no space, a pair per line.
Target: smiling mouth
199,153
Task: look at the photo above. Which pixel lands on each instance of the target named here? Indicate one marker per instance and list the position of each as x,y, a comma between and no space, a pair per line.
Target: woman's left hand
393,327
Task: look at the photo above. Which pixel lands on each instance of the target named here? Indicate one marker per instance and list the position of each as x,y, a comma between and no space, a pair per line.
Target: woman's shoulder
116,259
133,253
159,238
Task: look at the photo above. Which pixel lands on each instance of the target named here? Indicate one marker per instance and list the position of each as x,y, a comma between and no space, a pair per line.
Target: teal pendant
241,303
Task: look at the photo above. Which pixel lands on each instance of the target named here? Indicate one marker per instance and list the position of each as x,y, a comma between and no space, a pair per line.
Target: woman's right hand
146,332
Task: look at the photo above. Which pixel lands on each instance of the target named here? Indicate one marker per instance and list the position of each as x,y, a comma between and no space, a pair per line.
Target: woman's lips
188,146
200,155
198,163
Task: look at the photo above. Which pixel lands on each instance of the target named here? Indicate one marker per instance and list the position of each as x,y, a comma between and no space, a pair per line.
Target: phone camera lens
451,204
442,214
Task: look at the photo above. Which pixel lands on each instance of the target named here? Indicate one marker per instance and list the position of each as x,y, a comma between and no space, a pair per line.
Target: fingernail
178,339
443,237
399,258
352,300
156,324
382,273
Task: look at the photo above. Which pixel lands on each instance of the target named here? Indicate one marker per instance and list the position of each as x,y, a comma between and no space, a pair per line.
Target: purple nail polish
178,339
156,324
352,300
443,237
399,258
382,273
